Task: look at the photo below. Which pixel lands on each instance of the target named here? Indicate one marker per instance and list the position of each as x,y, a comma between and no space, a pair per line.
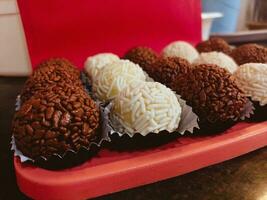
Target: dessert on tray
142,97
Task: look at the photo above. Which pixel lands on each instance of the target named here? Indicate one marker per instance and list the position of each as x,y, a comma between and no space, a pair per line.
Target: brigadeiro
143,56
214,44
252,79
55,122
114,77
60,63
45,77
147,107
250,53
166,69
218,58
93,64
180,49
214,96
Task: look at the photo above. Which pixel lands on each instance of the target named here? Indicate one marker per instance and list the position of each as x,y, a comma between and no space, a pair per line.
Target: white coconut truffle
180,49
94,63
114,77
252,79
147,107
217,58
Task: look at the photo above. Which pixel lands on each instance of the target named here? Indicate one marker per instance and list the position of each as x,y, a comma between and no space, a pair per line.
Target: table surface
242,178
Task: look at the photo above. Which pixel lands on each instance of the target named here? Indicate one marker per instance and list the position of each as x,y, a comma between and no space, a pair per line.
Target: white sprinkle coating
94,63
181,49
114,77
217,58
161,113
252,79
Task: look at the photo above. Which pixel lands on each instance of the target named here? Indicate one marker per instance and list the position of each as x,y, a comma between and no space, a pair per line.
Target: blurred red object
78,29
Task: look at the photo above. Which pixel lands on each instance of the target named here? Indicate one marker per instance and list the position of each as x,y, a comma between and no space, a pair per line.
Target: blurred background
234,20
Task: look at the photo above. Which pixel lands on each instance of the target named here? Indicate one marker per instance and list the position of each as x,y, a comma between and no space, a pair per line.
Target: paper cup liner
210,128
69,158
121,139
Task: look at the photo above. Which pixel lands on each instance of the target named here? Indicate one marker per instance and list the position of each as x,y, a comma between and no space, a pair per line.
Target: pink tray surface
113,171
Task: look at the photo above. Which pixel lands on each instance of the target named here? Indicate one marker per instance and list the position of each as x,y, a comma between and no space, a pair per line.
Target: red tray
113,171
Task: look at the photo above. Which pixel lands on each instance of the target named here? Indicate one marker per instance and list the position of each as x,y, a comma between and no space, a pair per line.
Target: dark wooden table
242,178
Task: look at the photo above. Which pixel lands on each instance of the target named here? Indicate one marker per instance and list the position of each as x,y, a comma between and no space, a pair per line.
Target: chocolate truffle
55,122
93,64
143,56
114,77
214,44
218,58
250,53
61,63
213,93
180,49
147,107
44,77
166,69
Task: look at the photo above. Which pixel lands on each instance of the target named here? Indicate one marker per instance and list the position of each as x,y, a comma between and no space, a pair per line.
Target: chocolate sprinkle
167,69
143,56
212,92
214,44
250,53
46,77
60,63
54,121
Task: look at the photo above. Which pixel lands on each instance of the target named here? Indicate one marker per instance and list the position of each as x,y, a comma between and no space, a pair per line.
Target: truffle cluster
214,44
54,121
147,107
250,53
167,69
143,56
45,77
212,92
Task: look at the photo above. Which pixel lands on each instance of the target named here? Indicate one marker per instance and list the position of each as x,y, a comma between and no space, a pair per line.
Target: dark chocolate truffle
44,77
166,69
55,121
212,92
250,53
143,56
61,63
214,44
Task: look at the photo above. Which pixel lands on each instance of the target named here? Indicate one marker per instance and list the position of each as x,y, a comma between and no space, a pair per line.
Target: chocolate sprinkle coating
52,122
212,92
250,53
45,77
214,44
143,56
61,63
167,69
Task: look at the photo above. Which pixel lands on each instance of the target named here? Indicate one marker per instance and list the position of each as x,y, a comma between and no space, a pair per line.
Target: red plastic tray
113,171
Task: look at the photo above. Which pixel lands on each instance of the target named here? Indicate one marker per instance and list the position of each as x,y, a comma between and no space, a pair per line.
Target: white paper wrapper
248,110
102,138
187,122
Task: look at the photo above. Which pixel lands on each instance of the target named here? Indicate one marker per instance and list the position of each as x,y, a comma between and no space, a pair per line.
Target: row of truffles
209,88
139,106
56,115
